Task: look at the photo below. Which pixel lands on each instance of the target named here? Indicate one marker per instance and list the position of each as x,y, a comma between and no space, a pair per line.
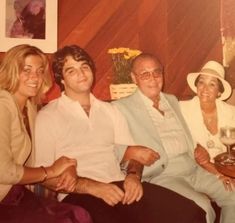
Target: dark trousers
158,205
22,206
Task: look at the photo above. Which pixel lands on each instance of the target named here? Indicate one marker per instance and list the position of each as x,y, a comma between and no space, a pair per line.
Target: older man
155,121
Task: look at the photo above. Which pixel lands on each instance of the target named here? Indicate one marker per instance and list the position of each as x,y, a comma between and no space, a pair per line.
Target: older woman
24,77
206,113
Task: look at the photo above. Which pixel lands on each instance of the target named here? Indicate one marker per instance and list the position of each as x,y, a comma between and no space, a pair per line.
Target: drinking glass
227,137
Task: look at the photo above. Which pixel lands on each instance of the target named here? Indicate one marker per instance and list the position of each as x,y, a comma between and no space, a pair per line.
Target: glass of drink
227,137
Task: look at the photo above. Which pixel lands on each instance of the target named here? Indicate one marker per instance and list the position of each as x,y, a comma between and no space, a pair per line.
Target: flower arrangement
122,58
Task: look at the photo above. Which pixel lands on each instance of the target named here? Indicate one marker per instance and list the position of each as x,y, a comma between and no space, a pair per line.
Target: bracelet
45,174
133,172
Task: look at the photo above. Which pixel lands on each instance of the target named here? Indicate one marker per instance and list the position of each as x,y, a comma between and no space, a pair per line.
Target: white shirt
168,126
193,116
63,128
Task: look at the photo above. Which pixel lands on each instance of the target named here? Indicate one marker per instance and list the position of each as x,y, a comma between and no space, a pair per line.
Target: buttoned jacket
144,132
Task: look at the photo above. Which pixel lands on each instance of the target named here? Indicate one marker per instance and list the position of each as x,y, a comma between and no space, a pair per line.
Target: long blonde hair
12,65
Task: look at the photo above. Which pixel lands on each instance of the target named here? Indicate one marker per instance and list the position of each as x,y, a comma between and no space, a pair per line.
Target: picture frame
42,35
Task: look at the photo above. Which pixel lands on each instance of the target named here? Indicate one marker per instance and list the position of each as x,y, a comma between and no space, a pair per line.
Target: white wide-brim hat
213,69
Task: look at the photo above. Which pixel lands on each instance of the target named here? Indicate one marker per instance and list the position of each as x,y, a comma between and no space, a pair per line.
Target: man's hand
110,193
201,155
142,154
60,165
133,189
67,180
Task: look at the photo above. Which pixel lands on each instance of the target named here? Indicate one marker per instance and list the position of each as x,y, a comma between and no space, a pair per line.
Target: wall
183,33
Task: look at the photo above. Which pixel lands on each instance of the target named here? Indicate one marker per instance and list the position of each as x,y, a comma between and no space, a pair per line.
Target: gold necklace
210,118
210,122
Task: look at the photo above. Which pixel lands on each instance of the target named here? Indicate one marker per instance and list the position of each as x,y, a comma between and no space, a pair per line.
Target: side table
228,170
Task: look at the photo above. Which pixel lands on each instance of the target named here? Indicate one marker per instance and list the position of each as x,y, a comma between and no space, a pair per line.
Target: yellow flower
113,51
122,50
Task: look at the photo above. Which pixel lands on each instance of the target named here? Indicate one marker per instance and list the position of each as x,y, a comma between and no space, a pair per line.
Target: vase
121,90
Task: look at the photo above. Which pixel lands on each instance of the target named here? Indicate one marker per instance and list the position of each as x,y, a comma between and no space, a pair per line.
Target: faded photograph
25,19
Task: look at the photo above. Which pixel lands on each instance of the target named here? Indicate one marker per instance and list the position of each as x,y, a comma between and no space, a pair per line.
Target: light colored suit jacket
144,132
15,144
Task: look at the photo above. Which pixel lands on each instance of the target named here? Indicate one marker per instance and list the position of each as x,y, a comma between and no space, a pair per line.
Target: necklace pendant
210,144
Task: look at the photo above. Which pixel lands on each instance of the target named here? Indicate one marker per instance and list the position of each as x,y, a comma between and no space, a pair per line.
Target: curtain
228,30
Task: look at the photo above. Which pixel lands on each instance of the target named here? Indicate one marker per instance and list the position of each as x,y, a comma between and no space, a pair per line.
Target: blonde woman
206,113
24,77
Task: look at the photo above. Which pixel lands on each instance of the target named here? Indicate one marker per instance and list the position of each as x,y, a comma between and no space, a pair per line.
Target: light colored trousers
197,184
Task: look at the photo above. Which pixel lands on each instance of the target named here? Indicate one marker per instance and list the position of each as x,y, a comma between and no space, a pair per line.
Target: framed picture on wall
31,22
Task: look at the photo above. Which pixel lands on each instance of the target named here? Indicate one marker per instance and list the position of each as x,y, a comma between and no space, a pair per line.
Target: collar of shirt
75,108
149,103
93,100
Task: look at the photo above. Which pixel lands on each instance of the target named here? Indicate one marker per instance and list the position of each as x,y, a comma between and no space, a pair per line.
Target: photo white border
47,45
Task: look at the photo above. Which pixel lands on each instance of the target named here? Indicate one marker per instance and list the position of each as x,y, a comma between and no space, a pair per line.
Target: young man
155,121
79,125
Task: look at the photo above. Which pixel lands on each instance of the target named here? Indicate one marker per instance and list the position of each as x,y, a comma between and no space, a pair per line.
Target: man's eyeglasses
145,75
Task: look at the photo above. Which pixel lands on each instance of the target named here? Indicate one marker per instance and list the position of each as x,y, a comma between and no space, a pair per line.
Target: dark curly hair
59,59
